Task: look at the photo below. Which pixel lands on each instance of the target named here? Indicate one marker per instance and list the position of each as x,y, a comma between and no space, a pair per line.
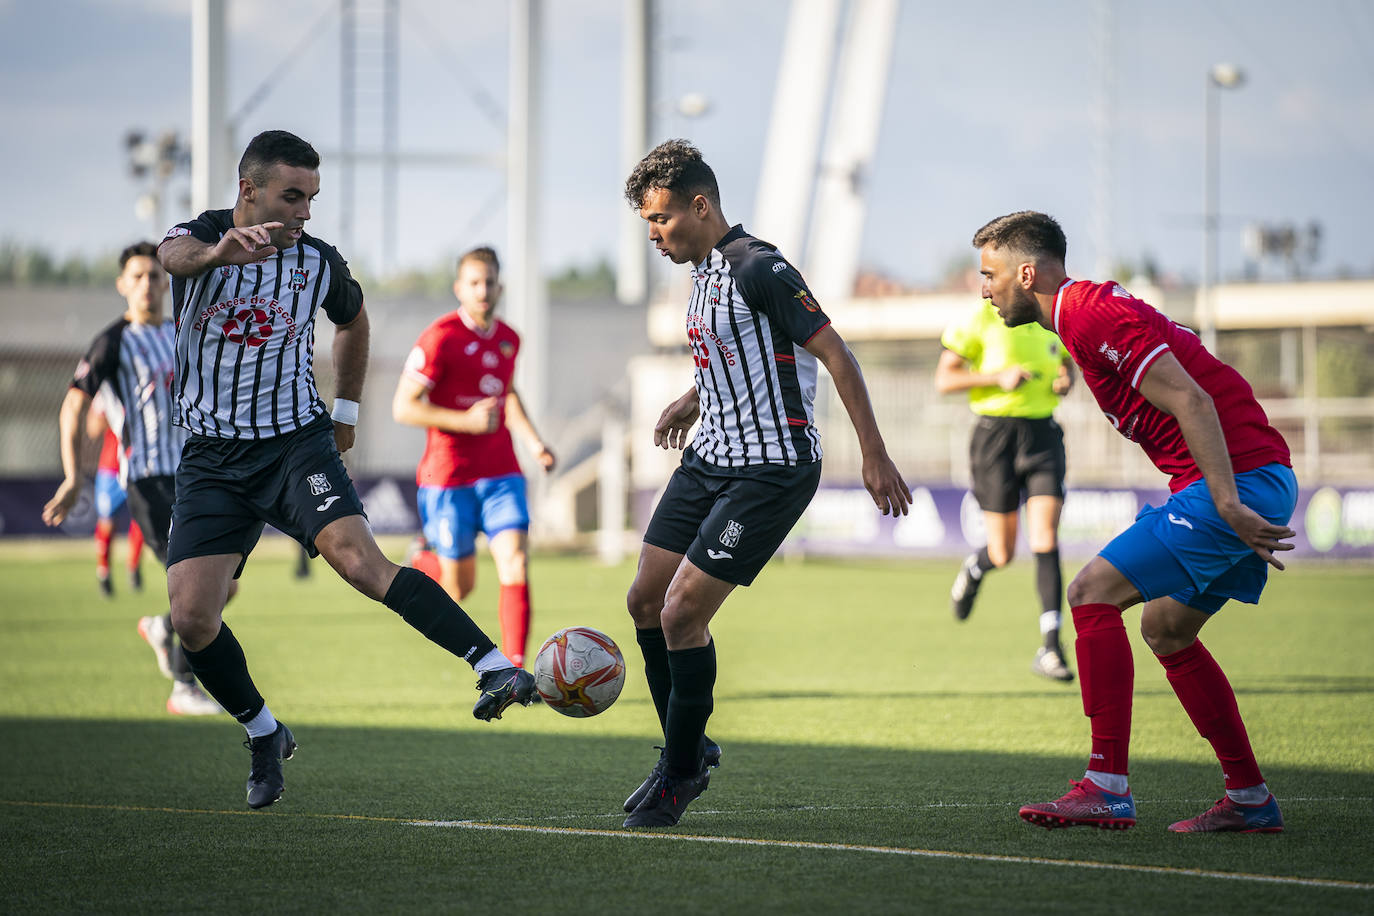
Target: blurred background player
757,338
131,361
1232,492
1014,378
110,496
457,384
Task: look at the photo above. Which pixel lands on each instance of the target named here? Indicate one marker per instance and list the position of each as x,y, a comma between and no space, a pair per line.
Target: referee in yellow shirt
1014,378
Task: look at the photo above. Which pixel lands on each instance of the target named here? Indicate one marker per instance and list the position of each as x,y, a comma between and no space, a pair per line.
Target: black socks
693,674
425,605
223,672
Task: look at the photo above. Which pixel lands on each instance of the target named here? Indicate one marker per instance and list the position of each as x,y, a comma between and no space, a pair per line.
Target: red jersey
460,364
109,452
1115,338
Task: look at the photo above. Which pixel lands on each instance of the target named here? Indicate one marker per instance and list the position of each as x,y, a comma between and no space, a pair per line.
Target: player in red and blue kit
1232,493
457,384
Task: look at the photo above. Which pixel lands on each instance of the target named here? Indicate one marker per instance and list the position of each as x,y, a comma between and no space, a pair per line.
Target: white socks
1253,795
264,723
1115,783
492,661
1049,622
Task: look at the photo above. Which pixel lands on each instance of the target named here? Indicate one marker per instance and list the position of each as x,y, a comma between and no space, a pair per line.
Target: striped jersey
245,338
748,320
132,364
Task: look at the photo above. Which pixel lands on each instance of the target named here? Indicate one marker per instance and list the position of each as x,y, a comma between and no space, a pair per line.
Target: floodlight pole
1221,76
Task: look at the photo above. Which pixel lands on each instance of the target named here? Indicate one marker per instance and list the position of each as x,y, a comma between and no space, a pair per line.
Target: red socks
1106,676
135,545
104,529
427,562
1210,702
514,611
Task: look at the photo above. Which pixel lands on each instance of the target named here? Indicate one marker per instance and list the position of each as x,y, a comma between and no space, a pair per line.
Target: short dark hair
275,147
137,249
1027,233
484,254
675,166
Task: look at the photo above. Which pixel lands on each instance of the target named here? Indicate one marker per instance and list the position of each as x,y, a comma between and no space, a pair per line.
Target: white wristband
345,411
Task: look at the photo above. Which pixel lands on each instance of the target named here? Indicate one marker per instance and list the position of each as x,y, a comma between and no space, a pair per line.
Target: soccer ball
579,671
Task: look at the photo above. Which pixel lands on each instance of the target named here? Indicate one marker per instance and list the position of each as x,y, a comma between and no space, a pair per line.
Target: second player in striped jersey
756,335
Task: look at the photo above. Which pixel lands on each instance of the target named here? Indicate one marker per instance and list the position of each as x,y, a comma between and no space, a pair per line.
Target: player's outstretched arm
676,421
69,440
350,368
952,373
1168,386
518,421
881,477
187,256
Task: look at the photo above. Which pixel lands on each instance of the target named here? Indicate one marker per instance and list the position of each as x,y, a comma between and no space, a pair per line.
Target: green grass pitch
875,753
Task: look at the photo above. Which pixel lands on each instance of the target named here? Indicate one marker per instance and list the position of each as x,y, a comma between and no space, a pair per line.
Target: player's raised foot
136,578
1085,805
188,699
964,590
265,783
157,634
106,586
1049,663
664,805
1228,815
710,757
501,688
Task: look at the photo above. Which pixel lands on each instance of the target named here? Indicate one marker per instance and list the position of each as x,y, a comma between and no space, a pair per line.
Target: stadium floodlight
1220,76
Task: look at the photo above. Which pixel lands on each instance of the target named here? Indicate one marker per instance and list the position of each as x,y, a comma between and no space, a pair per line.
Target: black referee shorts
1009,455
150,504
730,521
228,488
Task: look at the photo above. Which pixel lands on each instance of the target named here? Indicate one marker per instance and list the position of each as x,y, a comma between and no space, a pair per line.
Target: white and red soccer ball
579,671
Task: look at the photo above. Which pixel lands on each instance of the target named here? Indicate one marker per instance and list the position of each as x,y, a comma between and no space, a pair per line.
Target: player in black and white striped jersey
249,283
756,334
131,363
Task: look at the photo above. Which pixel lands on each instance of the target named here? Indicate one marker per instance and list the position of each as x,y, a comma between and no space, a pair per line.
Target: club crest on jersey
1112,353
319,483
226,271
507,349
730,536
299,276
804,297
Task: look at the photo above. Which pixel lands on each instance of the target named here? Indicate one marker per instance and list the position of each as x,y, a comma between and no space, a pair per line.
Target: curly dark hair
675,166
137,249
275,147
1027,233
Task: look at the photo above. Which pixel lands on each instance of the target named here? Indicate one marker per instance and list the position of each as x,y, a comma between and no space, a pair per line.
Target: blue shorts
109,495
1184,550
451,516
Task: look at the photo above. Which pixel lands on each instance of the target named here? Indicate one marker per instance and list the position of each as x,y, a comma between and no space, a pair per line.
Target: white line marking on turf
724,840
900,851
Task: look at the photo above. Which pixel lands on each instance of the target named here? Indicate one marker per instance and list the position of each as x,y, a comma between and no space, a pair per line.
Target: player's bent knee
645,609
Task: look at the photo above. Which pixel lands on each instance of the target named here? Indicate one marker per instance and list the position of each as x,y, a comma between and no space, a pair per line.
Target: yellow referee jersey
989,346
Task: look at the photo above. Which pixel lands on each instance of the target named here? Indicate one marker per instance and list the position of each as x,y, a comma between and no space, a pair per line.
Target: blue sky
992,107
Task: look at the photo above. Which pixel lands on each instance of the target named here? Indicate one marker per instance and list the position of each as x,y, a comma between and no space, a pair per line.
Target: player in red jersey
1232,494
457,384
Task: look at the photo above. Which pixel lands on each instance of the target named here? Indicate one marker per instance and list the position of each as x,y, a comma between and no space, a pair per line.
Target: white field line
728,841
901,851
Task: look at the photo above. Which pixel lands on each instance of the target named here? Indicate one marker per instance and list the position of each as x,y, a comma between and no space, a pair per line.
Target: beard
1022,309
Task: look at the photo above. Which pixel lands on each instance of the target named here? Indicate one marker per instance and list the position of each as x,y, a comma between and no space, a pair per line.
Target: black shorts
1009,455
730,521
150,504
228,488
